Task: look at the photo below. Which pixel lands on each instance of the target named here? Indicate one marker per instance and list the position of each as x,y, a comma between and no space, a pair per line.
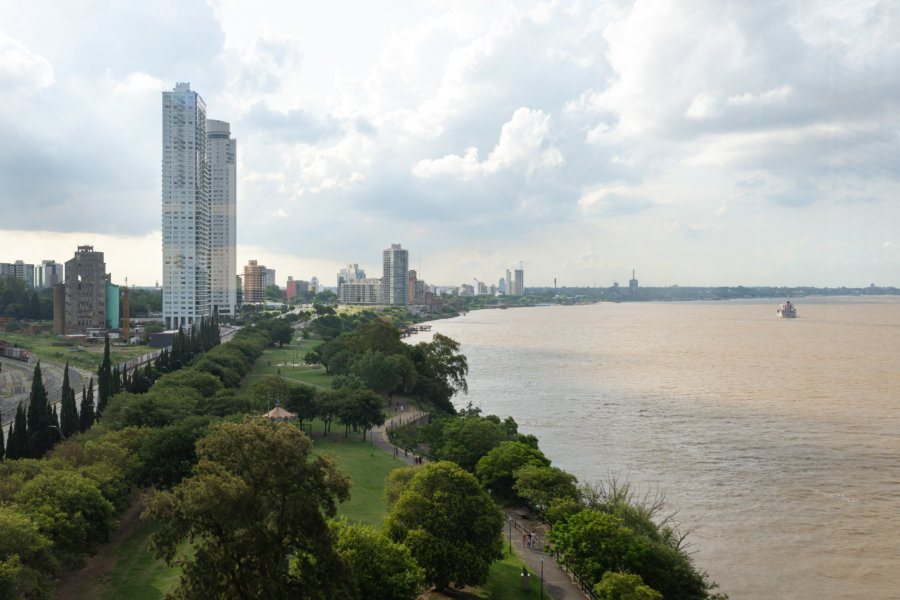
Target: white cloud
140,84
21,70
523,142
774,96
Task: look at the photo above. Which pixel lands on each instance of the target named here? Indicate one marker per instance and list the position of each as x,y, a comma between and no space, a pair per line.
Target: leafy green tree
381,569
256,501
282,333
40,417
396,480
441,371
464,441
360,409
26,558
378,335
624,586
595,542
169,453
207,385
495,469
70,510
450,525
378,371
266,392
301,402
541,485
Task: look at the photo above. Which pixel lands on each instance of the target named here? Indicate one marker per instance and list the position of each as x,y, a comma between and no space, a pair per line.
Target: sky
714,142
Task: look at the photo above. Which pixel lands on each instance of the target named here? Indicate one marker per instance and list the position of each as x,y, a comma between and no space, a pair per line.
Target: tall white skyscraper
395,282
222,149
185,208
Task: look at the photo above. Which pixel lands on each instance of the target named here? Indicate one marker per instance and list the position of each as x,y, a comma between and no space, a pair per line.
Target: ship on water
787,310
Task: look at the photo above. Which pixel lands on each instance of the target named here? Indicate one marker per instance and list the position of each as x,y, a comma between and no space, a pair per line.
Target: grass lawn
87,358
367,467
137,574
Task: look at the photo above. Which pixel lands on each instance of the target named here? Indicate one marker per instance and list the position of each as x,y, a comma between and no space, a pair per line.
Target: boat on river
787,310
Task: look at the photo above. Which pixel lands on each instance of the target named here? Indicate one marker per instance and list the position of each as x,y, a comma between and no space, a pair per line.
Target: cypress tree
86,419
17,446
68,410
40,437
104,374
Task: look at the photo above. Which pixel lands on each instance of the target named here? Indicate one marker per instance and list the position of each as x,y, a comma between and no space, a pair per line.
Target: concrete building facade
360,291
48,274
85,291
519,283
185,208
222,150
395,281
254,282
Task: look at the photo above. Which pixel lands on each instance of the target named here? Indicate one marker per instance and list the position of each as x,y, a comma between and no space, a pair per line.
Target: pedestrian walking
533,540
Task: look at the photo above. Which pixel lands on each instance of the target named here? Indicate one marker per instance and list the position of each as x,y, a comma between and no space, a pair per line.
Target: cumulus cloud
21,70
524,142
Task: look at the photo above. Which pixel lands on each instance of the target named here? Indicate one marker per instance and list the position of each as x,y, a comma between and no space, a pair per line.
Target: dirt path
88,582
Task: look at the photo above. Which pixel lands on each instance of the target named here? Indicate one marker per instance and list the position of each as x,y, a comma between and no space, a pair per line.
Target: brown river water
779,439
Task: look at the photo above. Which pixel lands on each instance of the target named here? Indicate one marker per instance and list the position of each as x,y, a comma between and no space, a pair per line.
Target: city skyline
584,141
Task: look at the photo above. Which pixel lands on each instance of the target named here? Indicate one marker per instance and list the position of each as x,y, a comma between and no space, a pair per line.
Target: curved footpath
557,584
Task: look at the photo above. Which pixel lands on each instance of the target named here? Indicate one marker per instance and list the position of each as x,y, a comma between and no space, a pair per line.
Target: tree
495,469
378,371
464,441
255,510
40,417
281,332
540,485
450,525
17,445
624,586
68,418
70,510
381,569
169,453
190,377
104,379
360,409
86,418
26,558
593,543
441,371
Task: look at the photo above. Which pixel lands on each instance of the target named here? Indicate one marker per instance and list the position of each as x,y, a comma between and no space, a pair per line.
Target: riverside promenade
557,584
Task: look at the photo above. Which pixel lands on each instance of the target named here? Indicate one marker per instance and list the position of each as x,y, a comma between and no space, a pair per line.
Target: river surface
779,439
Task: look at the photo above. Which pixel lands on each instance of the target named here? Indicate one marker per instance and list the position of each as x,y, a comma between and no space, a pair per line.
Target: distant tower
633,283
395,279
185,208
254,282
509,284
85,291
519,284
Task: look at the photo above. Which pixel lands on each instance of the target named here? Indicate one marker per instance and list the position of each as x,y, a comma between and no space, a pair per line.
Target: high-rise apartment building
254,282
509,284
185,208
222,150
85,291
519,283
395,281
19,270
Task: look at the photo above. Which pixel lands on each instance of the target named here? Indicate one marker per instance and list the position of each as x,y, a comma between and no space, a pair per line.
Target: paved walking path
557,585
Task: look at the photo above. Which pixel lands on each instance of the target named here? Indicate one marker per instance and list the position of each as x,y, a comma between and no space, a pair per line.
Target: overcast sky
706,142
